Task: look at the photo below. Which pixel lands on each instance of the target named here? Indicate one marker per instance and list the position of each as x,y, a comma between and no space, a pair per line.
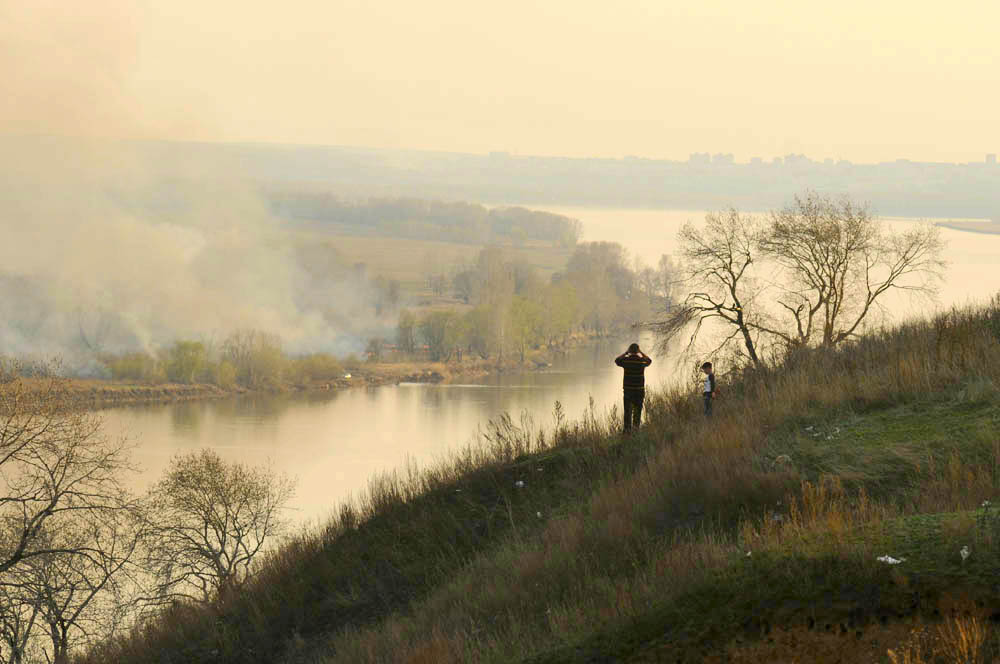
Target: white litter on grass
749,553
889,560
809,428
519,484
539,514
965,553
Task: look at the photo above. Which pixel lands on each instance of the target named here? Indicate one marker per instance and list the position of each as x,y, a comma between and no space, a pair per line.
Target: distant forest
429,219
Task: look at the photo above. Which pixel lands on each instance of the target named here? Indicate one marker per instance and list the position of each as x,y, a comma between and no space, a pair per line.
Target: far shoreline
981,227
105,393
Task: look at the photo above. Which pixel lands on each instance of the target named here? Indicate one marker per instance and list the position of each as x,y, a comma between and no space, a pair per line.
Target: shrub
257,357
138,366
318,367
222,374
185,361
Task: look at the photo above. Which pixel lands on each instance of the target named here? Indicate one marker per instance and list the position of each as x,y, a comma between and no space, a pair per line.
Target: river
332,443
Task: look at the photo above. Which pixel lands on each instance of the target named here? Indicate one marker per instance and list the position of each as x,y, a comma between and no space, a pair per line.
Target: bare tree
668,273
60,500
83,597
55,464
828,262
837,262
717,269
211,520
256,355
19,612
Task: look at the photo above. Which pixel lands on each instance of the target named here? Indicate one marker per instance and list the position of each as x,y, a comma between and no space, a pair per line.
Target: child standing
709,391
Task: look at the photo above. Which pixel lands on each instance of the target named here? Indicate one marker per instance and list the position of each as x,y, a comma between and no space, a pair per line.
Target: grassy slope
888,451
639,553
406,536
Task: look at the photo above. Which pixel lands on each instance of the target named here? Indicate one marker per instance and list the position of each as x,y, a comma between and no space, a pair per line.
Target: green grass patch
822,589
885,451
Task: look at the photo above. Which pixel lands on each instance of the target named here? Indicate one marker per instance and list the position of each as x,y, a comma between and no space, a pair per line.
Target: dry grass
963,640
576,565
959,640
634,536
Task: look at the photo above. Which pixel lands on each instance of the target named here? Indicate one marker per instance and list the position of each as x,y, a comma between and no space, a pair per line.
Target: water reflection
260,406
186,416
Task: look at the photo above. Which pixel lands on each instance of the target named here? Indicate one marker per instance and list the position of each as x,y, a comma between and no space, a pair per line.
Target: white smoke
105,250
109,244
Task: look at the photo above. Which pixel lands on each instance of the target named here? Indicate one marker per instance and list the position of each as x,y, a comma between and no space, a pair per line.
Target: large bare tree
837,264
716,270
822,265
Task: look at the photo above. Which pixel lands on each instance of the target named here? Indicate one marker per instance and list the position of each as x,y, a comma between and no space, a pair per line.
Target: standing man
634,362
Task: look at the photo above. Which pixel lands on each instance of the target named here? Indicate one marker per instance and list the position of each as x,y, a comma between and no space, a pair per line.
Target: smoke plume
109,243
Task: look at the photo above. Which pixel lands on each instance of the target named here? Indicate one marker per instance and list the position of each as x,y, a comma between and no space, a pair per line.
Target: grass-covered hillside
753,537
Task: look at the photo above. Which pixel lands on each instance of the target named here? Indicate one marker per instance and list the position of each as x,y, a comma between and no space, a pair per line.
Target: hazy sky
852,79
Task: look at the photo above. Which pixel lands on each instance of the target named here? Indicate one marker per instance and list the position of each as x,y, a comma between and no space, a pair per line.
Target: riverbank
107,393
984,227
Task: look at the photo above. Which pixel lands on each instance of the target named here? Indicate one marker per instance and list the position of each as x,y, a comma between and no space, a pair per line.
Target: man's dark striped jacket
634,366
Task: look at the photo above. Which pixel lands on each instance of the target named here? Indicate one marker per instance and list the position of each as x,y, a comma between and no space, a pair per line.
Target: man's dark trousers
633,408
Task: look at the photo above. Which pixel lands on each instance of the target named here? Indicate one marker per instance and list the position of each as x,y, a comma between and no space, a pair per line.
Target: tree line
453,221
513,309
249,358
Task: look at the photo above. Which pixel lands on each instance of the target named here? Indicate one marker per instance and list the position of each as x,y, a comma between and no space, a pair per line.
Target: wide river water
332,443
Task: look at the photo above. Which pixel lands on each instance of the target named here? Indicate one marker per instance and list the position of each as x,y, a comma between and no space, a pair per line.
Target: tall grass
455,565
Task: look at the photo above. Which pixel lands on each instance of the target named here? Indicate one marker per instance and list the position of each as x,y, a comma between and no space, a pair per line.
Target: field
752,537
410,261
